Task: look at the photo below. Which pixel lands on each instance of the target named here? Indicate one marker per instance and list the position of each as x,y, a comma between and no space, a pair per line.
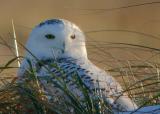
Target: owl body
61,46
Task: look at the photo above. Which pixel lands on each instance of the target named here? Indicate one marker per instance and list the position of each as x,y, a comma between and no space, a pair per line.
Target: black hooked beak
63,47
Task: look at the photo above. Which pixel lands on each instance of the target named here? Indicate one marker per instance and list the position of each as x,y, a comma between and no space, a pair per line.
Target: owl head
56,38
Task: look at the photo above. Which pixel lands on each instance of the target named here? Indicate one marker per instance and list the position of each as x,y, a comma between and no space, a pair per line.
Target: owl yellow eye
73,36
50,36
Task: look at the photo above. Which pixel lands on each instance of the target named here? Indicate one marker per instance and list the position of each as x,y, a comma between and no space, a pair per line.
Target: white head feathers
57,38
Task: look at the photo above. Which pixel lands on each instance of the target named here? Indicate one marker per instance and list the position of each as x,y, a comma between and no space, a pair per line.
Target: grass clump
140,79
27,95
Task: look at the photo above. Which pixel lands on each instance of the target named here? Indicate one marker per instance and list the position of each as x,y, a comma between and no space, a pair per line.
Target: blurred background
103,21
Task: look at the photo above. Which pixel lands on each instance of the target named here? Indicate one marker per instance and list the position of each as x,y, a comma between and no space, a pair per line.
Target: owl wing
109,87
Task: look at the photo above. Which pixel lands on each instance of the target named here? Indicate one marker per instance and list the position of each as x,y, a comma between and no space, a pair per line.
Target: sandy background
90,15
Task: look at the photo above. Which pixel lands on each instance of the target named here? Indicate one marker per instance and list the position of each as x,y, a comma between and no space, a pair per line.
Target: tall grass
28,96
139,76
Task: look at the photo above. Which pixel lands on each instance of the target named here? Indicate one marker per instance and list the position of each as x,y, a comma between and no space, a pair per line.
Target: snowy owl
62,42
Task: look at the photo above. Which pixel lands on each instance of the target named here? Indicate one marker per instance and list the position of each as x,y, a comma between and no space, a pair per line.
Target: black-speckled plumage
70,55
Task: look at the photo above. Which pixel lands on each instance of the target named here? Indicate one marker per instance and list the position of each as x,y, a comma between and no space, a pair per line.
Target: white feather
64,47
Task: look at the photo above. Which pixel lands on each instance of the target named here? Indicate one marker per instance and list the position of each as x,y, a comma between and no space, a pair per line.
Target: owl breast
69,72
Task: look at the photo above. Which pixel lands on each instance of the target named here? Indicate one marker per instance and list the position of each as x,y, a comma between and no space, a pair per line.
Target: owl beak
64,46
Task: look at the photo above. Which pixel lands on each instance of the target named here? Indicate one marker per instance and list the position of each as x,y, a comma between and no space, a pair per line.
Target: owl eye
73,36
50,36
